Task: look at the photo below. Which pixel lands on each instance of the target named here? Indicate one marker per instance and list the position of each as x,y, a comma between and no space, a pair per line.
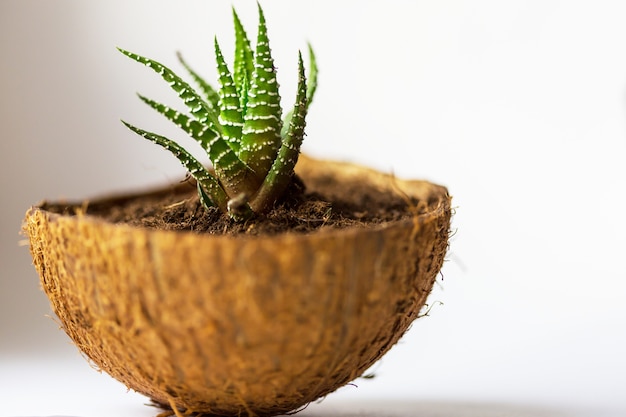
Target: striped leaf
231,113
234,175
201,133
239,125
210,95
210,186
244,59
262,121
200,109
281,172
312,87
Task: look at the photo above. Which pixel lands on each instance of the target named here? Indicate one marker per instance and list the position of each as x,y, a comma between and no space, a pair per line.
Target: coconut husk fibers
243,324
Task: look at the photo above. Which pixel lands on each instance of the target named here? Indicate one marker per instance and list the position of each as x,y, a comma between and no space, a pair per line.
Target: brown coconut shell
236,325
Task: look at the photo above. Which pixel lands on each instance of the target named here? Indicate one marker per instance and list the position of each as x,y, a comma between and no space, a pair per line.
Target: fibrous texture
241,325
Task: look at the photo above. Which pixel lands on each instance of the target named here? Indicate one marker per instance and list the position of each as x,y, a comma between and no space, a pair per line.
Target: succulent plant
253,150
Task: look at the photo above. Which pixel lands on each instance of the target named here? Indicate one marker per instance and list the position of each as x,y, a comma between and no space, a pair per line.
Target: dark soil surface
178,208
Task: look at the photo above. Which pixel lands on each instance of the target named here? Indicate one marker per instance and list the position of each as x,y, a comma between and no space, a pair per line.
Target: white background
517,106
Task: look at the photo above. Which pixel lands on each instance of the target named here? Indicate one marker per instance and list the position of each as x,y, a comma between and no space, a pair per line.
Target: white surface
69,387
516,106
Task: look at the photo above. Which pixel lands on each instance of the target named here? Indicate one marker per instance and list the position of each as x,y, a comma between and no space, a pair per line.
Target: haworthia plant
252,148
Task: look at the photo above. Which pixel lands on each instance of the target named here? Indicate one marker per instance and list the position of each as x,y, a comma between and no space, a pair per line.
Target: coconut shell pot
242,325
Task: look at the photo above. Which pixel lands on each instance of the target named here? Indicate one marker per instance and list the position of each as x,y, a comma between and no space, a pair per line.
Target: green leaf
244,57
231,113
281,172
203,135
235,176
204,197
243,95
239,124
310,93
200,109
262,121
209,92
209,184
